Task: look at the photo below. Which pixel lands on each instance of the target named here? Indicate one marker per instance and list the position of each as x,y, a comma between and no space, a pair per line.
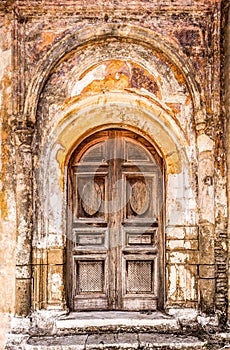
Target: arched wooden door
115,255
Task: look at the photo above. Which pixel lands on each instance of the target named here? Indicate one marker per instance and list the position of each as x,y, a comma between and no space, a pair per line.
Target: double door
115,257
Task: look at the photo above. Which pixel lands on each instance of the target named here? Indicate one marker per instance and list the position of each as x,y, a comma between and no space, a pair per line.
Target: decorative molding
70,7
95,34
23,137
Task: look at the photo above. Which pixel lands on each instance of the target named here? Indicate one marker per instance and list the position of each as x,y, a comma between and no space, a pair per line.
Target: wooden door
115,258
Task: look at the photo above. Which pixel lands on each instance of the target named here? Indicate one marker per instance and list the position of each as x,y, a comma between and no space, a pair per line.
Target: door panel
115,245
84,238
90,196
91,274
141,197
139,286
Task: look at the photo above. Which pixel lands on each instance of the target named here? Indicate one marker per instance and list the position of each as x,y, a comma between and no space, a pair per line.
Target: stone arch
81,119
141,35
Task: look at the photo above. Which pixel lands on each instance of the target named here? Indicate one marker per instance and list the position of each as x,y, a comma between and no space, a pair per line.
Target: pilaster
24,188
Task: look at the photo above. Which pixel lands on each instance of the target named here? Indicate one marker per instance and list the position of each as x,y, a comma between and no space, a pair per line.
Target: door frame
161,222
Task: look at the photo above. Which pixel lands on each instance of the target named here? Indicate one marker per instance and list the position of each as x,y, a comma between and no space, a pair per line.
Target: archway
81,119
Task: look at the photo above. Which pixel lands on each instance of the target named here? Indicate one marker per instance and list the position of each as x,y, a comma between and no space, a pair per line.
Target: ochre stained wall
69,68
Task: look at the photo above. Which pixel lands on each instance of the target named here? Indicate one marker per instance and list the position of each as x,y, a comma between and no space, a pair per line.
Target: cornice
33,8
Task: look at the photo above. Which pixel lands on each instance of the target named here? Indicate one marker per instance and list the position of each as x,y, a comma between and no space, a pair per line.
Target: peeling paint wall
226,102
149,67
7,191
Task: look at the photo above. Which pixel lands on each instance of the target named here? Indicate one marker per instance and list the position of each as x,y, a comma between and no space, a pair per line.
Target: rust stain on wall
175,107
3,196
4,84
46,39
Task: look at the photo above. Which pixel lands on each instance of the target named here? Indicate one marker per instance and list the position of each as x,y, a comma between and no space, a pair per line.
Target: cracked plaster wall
81,91
7,191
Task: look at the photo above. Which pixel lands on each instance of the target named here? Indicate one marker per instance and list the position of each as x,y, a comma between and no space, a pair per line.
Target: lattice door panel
140,282
139,277
91,283
90,276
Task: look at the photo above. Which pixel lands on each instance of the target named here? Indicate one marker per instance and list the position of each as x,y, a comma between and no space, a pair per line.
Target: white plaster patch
186,313
224,246
23,226
175,232
22,272
55,240
181,201
55,286
56,197
97,73
207,203
20,324
181,244
204,143
5,61
56,282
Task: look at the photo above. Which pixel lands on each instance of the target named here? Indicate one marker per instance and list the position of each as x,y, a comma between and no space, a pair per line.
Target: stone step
125,341
116,321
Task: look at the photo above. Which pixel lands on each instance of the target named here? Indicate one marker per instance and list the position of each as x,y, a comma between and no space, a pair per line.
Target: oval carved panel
91,198
139,200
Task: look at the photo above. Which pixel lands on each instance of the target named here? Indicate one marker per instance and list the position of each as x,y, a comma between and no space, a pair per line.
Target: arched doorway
115,254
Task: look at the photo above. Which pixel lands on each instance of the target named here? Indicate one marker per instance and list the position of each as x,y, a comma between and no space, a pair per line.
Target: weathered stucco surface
7,193
71,68
226,95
